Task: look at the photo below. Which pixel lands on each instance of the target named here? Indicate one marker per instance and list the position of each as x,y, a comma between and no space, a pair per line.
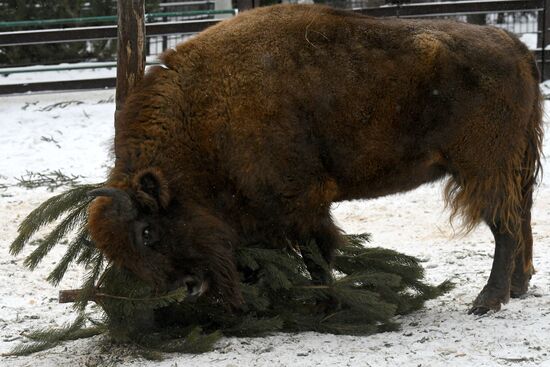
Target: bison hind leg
502,198
523,269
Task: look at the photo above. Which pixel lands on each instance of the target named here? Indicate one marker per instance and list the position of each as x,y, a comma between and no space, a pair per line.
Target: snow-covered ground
39,133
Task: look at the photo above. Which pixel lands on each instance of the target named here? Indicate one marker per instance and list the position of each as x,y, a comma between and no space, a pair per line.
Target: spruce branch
72,295
370,286
48,212
50,179
73,250
73,219
49,338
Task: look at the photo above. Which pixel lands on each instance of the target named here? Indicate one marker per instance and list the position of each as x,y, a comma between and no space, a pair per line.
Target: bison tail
502,194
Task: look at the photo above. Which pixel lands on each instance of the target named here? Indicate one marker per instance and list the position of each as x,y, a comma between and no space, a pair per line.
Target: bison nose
195,286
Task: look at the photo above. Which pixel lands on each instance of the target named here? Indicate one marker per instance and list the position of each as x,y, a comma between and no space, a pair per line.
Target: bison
248,132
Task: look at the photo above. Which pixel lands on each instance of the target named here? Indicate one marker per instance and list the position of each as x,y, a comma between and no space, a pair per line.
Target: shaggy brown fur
253,128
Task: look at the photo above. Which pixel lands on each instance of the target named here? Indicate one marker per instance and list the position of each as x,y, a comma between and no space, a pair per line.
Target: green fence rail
112,18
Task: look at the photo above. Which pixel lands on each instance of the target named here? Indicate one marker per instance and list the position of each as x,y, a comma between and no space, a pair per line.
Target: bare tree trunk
130,50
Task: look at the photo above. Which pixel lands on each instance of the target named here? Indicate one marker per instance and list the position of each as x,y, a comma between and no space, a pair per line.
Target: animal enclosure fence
529,19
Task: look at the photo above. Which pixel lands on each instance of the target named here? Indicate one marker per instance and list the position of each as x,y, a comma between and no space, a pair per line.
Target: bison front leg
327,238
497,290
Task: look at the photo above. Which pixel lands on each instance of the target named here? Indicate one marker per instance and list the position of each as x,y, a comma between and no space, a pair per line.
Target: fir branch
49,338
253,256
49,211
365,301
72,295
273,278
151,355
195,342
30,348
357,240
73,250
312,252
87,255
173,296
88,288
250,325
372,286
372,279
46,335
63,104
254,299
245,259
73,219
51,180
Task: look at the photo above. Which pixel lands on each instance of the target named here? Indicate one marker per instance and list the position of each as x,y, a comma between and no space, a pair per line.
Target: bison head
168,243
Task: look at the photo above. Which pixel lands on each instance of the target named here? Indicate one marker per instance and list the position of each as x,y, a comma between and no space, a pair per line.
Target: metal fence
104,49
527,18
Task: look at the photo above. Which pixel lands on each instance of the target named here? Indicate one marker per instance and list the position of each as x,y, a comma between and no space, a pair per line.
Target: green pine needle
73,219
49,338
73,250
195,342
48,212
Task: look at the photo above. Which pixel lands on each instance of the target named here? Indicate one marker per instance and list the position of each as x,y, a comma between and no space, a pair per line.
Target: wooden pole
130,69
130,49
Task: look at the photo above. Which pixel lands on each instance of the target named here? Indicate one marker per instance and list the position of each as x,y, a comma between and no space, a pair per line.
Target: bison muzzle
248,132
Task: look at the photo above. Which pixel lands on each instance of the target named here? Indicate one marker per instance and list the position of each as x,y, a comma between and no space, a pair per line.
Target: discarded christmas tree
370,287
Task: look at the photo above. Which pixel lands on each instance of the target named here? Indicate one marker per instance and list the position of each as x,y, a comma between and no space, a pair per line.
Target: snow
30,75
530,40
441,334
73,71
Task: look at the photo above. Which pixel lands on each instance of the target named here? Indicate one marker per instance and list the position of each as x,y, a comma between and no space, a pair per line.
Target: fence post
130,50
247,4
543,39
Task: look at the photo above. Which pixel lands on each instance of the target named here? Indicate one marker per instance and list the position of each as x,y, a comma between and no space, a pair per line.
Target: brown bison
250,131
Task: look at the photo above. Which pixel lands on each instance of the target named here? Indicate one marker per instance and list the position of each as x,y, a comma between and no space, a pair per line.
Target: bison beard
253,128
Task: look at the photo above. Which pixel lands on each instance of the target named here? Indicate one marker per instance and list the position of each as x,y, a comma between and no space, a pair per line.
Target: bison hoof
490,298
520,284
517,291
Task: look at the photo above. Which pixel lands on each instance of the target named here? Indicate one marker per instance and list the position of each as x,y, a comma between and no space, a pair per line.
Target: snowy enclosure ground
40,133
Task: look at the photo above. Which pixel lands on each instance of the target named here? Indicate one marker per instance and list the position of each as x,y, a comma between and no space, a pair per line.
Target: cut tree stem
69,295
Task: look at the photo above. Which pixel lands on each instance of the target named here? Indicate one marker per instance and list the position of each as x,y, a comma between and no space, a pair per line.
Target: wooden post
543,39
130,49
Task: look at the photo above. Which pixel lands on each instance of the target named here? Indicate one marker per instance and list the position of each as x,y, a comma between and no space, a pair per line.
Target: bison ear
152,188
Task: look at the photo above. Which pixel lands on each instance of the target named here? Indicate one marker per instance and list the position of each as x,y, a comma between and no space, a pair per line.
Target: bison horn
124,203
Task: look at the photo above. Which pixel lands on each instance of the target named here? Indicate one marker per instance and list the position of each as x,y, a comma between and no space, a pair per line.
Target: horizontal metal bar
452,8
190,13
184,26
98,65
98,83
43,36
111,18
40,22
186,3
